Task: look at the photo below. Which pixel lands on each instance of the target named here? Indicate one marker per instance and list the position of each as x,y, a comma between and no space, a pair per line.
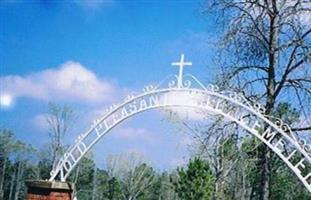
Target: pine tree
196,182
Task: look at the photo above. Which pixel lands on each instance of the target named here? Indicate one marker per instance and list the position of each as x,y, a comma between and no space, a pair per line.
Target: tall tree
83,177
22,155
15,160
114,189
7,141
195,182
136,176
265,53
59,120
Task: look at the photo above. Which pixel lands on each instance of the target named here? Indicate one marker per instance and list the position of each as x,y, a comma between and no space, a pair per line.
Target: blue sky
115,47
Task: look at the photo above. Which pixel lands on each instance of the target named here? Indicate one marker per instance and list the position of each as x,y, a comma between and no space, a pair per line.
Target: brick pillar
46,190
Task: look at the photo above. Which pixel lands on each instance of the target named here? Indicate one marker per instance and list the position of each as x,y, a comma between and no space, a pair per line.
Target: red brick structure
45,190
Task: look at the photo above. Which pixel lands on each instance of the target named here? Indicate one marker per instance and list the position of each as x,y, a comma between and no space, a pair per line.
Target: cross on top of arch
181,65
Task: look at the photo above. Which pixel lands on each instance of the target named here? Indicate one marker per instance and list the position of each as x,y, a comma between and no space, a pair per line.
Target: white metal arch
187,91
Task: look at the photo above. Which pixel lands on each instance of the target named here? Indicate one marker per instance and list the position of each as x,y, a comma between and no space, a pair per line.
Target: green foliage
44,168
195,182
288,114
284,184
15,166
114,189
138,181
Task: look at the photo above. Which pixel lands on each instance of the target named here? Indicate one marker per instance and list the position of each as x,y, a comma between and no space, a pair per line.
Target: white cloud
135,134
70,82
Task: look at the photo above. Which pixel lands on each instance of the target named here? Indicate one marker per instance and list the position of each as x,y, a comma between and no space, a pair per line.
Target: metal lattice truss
188,92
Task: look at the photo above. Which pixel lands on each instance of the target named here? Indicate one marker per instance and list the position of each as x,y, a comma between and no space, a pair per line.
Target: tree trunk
19,173
94,183
75,180
2,178
264,184
12,184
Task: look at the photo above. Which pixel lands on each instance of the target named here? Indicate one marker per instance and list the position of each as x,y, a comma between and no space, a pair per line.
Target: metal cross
181,65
